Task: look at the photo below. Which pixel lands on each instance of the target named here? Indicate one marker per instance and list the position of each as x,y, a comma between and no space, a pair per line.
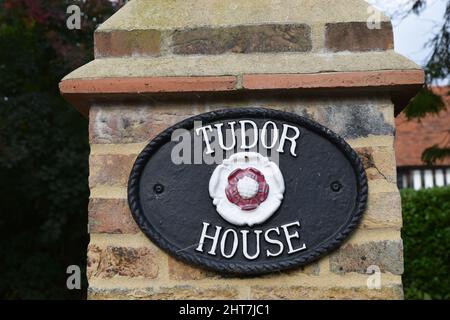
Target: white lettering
245,246
264,135
248,136
233,135
214,238
291,236
244,134
224,241
273,241
284,137
205,137
232,241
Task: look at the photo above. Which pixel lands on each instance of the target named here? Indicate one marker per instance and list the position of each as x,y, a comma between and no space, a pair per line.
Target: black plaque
177,205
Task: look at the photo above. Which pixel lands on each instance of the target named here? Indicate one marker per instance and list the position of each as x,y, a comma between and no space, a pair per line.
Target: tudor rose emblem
247,188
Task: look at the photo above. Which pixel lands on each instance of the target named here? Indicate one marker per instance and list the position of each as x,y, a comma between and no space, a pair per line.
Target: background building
412,138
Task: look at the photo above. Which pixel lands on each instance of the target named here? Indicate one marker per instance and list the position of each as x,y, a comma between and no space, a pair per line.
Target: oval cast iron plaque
249,214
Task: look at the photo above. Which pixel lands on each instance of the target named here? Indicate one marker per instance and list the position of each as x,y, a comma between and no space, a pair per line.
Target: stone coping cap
109,78
401,84
164,14
237,64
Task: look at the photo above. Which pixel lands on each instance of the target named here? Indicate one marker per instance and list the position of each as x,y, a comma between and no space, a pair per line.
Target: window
423,177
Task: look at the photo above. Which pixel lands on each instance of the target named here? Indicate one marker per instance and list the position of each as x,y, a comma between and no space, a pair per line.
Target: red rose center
247,188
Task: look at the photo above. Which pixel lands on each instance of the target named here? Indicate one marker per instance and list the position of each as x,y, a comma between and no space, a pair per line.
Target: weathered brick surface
119,125
181,271
387,255
182,292
139,124
347,119
127,43
243,39
355,120
111,216
108,262
379,163
296,292
356,36
384,210
132,124
312,269
110,169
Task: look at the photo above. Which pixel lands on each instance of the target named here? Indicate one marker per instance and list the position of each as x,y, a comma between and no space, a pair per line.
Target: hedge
426,236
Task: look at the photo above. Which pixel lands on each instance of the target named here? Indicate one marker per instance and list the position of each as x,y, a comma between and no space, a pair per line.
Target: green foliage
425,102
43,148
426,236
433,154
438,65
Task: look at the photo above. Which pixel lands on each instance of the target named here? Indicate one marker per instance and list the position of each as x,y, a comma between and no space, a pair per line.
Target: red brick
111,216
358,79
110,169
127,43
141,85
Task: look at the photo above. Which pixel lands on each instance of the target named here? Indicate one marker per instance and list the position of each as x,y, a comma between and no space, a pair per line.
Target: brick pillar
157,64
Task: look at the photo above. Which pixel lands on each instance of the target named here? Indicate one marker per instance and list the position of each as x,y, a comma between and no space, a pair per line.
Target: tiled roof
414,136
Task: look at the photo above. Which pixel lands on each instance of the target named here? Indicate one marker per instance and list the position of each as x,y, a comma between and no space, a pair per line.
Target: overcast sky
413,32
